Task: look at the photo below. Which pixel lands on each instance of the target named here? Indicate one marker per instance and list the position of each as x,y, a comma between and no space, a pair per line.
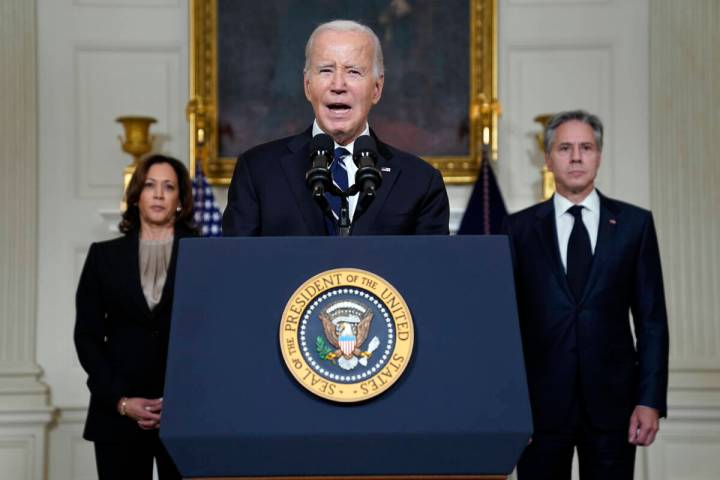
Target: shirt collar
591,202
349,147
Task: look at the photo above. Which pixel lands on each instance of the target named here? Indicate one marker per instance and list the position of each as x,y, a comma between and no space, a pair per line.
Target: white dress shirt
564,221
349,164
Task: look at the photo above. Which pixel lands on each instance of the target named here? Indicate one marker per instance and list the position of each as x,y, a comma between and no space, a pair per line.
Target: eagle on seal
347,336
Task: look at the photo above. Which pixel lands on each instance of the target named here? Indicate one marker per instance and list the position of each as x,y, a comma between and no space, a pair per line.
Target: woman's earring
178,209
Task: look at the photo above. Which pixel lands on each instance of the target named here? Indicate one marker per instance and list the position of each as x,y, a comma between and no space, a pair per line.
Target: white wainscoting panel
23,442
132,80
16,457
687,448
548,78
70,456
563,55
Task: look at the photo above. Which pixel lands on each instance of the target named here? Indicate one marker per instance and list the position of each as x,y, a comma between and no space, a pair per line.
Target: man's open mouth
338,107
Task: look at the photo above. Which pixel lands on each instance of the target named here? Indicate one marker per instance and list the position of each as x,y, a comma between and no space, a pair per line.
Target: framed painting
438,101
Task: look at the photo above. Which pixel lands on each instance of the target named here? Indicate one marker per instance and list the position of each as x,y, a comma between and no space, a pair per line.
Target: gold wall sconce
137,142
546,177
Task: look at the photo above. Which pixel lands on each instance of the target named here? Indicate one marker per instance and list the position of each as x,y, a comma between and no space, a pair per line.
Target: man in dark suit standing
343,79
583,263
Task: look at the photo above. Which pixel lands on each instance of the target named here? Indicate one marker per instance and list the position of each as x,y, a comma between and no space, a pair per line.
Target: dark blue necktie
579,254
339,176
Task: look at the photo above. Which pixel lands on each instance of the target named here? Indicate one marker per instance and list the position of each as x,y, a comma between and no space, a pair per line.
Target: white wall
684,179
98,59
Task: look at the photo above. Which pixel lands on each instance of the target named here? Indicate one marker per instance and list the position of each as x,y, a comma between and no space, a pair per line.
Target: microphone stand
344,224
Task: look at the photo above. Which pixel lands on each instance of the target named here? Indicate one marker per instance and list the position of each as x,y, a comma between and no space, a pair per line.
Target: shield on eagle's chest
347,344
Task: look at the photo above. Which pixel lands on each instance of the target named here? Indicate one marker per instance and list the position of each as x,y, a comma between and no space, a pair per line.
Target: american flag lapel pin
612,221
385,169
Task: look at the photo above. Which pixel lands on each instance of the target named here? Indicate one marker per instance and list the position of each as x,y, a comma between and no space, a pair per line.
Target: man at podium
343,80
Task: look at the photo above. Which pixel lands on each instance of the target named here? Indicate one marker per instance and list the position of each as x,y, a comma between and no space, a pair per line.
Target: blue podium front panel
232,408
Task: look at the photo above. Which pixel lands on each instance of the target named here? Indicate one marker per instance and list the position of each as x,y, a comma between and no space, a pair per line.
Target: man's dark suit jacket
121,343
268,195
582,352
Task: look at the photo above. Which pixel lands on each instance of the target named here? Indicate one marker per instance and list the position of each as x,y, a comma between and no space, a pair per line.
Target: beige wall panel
557,55
122,80
537,82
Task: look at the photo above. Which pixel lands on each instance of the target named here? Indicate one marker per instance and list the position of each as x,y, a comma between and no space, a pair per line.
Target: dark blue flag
485,211
207,212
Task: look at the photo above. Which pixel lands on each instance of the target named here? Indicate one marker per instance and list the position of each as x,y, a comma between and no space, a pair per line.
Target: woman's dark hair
131,216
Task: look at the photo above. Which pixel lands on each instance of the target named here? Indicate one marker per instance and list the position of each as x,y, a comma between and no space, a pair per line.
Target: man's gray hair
570,115
348,26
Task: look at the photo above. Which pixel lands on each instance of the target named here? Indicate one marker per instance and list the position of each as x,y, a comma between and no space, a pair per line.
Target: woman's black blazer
121,343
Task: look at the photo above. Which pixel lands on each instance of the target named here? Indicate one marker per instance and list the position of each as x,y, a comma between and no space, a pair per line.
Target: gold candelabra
487,113
546,176
137,142
198,113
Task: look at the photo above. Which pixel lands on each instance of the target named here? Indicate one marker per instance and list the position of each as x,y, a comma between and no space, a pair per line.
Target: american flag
207,212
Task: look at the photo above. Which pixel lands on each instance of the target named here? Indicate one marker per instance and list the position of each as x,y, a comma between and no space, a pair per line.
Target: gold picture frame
482,111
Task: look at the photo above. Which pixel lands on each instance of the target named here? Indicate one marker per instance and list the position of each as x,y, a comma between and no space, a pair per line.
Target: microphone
318,177
368,176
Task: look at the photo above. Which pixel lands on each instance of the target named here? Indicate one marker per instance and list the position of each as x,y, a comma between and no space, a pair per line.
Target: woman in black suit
122,327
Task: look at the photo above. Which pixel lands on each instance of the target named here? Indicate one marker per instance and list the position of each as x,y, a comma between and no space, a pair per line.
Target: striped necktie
339,176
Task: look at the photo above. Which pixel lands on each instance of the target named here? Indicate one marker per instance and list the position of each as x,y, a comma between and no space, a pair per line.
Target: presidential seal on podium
346,335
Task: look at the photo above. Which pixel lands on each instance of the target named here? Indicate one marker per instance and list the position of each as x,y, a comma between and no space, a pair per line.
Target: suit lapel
361,225
294,165
547,233
605,241
390,174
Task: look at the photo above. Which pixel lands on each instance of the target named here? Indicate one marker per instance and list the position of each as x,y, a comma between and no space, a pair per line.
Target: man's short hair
570,115
348,26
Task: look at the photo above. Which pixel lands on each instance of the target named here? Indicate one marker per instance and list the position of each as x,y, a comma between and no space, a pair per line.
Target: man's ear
306,86
377,89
